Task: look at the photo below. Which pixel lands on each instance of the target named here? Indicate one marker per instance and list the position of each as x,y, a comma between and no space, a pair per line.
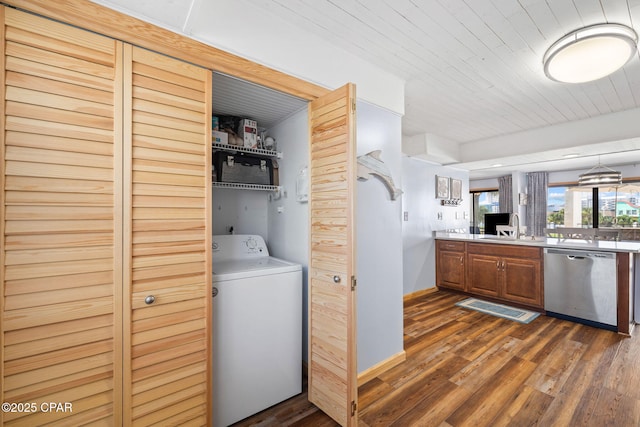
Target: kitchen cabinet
105,228
508,272
450,264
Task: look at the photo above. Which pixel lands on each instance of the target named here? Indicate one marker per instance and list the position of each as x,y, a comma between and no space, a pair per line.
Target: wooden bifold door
105,202
332,282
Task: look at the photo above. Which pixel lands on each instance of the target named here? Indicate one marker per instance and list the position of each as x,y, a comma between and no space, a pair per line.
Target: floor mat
499,310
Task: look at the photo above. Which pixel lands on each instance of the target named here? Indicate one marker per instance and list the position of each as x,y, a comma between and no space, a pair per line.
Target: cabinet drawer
448,245
502,250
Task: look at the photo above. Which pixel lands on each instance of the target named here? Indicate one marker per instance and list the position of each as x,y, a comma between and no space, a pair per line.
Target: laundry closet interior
279,215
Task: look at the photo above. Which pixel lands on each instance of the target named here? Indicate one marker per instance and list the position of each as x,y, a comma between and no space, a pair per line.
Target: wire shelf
241,186
235,148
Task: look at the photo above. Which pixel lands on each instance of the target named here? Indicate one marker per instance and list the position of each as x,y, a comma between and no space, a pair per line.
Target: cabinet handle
150,300
498,264
461,260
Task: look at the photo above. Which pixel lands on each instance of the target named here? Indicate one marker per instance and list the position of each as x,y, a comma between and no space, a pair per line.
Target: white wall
245,211
379,242
288,230
423,211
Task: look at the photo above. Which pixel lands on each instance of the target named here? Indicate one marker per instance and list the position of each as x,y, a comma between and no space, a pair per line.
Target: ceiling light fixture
599,176
590,53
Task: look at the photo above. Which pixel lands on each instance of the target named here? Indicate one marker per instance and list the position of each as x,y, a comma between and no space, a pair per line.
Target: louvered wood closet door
170,239
332,314
61,223
106,200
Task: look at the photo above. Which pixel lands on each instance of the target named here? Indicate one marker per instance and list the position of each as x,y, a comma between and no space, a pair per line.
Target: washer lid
244,268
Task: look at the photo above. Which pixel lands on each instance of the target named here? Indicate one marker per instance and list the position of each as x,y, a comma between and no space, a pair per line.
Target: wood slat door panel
332,342
167,206
60,222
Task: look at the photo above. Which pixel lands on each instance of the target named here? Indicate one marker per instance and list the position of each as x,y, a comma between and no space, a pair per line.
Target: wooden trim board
420,293
625,317
380,368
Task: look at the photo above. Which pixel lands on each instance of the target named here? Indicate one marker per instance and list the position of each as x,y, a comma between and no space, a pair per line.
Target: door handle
150,300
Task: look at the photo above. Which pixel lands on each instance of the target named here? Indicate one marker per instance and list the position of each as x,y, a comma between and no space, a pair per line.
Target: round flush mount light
590,53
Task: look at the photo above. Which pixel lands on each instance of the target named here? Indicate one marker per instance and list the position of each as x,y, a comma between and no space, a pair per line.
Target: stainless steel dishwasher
581,286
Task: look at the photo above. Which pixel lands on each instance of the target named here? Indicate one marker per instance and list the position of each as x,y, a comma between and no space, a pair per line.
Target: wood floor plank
465,368
478,410
552,373
525,409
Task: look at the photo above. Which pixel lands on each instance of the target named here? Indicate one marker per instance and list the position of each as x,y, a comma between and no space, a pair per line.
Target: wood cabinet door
332,314
167,248
522,281
484,275
60,223
450,269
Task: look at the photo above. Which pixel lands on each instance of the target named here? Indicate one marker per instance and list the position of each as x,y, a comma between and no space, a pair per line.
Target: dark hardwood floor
466,368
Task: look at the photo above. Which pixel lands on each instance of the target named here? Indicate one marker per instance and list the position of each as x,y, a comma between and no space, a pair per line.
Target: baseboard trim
420,293
366,376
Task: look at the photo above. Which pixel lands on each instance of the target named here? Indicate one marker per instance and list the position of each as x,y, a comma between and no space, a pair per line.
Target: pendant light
600,176
590,53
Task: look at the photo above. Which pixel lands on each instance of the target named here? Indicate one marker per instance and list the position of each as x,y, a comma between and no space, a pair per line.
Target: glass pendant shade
590,53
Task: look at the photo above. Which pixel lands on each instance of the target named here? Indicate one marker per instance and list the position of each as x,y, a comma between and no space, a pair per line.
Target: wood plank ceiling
473,69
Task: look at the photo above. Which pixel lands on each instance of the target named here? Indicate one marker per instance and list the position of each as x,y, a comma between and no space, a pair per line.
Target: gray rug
499,310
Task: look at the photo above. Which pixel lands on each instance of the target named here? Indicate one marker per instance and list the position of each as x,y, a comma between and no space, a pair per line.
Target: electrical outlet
440,216
406,216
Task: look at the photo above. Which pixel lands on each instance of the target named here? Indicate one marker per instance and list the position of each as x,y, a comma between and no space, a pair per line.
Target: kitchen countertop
545,242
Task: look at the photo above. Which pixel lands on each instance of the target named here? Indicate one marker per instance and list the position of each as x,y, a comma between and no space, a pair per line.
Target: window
483,202
573,206
569,206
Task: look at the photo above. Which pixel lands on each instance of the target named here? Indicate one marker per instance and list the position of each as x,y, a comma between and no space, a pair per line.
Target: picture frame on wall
442,187
456,189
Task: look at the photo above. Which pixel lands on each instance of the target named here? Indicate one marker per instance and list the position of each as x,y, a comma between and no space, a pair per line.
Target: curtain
537,183
505,194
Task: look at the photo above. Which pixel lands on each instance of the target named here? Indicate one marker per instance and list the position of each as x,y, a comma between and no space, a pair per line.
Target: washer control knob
150,300
336,279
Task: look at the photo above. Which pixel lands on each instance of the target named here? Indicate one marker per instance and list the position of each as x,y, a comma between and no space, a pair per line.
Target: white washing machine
257,327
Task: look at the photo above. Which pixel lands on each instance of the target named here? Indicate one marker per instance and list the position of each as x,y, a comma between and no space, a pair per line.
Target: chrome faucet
515,218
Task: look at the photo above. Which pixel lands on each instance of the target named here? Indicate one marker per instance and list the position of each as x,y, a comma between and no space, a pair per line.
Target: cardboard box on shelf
219,137
248,131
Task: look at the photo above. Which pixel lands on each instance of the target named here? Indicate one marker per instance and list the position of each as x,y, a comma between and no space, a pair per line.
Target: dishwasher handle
575,254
